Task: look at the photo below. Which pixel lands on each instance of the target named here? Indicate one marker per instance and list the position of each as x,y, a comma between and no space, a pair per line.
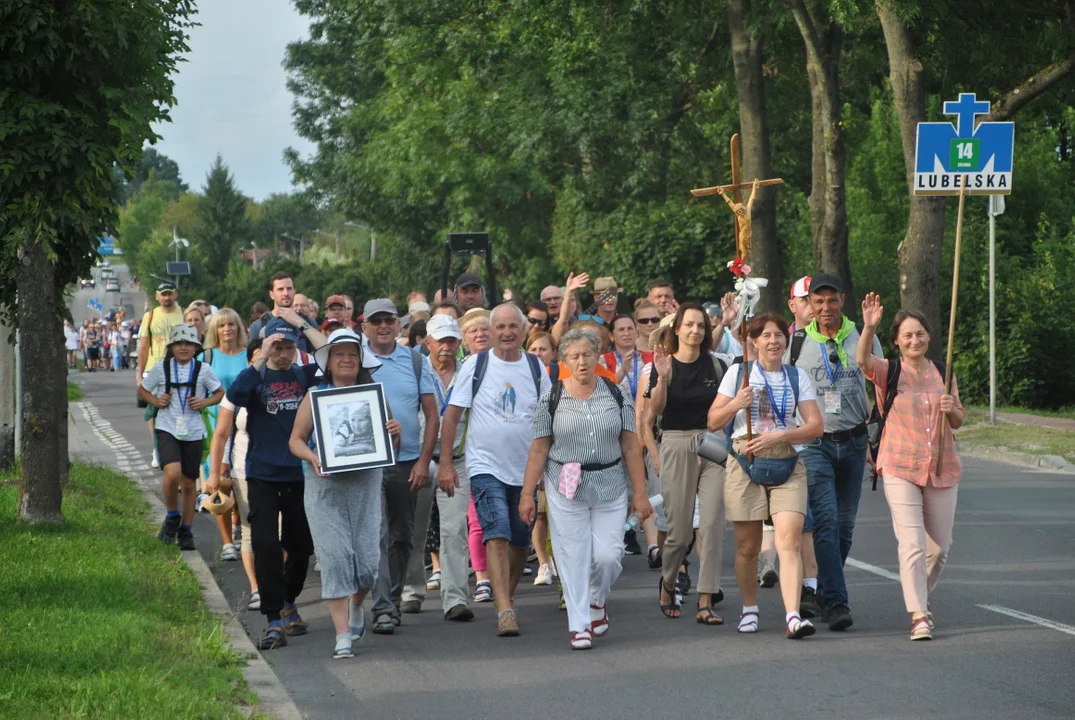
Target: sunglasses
378,321
834,355
535,321
595,318
648,321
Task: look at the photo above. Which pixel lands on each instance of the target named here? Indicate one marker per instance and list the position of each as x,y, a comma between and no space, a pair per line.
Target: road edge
1049,463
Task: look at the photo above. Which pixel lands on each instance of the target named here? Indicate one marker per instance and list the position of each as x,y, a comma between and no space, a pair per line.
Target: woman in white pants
585,448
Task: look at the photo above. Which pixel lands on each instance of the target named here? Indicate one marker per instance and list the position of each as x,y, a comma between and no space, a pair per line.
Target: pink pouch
570,475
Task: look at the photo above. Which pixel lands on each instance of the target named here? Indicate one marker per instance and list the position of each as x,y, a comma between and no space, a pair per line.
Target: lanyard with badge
632,377
442,399
832,396
782,413
181,429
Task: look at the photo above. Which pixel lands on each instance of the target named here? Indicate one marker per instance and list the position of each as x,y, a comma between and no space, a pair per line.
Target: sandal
383,625
672,607
273,638
748,622
800,629
920,629
483,592
581,640
599,625
708,616
433,583
293,624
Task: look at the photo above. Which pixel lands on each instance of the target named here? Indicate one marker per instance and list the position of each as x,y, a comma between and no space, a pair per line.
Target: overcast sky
232,98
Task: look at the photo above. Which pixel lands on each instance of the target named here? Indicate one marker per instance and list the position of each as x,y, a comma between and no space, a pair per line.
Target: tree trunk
748,58
60,390
7,398
828,197
920,251
39,489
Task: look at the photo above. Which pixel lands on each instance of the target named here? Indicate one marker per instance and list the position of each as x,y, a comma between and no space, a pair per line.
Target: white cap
185,333
442,326
345,335
801,288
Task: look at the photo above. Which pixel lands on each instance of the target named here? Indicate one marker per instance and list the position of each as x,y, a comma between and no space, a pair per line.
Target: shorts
93,353
746,501
497,504
188,453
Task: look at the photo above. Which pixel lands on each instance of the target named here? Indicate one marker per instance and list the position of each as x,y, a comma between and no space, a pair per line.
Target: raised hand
577,282
872,311
729,309
662,362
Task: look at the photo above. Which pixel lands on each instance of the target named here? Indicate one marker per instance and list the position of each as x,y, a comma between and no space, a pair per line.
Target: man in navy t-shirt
271,390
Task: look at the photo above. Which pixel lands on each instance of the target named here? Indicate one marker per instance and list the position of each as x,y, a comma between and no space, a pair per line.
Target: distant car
88,283
112,285
103,262
107,273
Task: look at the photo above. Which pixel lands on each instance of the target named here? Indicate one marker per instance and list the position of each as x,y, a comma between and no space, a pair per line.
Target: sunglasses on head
383,320
595,318
648,321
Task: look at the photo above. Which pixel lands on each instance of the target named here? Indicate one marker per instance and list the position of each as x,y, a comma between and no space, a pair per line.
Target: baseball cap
468,278
276,325
439,327
184,333
602,284
801,288
712,309
166,286
826,280
335,300
378,305
418,307
339,337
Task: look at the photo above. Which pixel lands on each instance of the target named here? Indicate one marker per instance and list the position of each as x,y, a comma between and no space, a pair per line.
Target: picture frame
349,426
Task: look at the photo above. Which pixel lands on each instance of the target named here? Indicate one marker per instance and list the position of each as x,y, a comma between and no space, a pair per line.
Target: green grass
1067,411
74,392
100,620
1021,438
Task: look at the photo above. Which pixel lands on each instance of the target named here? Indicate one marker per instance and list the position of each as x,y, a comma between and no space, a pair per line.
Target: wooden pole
738,197
952,316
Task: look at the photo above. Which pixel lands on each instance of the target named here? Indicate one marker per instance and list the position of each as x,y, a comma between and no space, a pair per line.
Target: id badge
833,402
181,429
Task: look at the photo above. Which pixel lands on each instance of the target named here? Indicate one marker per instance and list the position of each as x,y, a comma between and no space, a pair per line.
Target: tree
155,165
222,216
84,83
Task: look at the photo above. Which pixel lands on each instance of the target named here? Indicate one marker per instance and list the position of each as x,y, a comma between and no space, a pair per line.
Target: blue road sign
106,245
95,304
946,153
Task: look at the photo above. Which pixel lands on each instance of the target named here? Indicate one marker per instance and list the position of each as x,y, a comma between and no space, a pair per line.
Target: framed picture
349,425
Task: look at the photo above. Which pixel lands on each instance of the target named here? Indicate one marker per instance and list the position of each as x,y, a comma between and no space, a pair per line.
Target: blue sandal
483,592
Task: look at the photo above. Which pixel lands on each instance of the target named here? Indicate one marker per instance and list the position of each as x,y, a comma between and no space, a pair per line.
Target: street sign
945,153
95,304
181,267
106,245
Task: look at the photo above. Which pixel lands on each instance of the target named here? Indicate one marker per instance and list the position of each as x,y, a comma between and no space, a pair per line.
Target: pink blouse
912,433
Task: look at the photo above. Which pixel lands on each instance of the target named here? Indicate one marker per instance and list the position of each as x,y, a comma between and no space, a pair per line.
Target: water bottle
632,522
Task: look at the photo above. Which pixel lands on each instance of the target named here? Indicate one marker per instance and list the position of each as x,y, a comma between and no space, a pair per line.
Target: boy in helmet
180,387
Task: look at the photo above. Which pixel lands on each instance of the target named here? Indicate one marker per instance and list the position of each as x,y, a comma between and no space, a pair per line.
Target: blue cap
276,325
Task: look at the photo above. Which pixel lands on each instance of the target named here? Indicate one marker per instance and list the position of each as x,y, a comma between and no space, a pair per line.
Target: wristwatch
305,326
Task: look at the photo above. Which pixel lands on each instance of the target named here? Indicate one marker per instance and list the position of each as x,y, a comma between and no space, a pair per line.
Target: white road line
887,574
1044,622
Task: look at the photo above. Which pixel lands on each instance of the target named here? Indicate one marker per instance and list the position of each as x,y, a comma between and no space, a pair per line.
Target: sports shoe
255,601
155,461
544,575
229,553
838,617
169,529
411,607
356,621
199,504
683,582
630,543
185,539
507,623
459,613
236,534
767,576
654,557
528,570
483,593
808,607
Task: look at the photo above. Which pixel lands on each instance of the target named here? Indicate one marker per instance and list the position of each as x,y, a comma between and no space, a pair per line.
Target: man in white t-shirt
499,433
71,342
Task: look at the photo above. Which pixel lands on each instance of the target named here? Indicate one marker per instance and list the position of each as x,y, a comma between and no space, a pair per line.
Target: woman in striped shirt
585,448
919,486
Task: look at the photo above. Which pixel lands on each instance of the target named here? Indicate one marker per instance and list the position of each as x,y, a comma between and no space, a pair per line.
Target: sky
232,97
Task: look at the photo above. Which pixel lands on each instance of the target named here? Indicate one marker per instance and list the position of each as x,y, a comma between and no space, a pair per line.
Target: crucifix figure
742,220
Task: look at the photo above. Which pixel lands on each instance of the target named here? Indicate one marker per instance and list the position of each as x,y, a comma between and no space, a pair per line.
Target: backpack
793,380
482,364
558,391
875,425
797,340
191,383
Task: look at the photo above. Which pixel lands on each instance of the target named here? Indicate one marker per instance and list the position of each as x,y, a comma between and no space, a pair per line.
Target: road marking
887,574
1044,622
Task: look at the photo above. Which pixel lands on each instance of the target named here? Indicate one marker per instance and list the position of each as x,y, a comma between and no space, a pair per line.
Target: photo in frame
349,426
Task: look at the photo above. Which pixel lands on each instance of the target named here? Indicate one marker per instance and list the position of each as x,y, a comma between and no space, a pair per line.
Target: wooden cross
736,187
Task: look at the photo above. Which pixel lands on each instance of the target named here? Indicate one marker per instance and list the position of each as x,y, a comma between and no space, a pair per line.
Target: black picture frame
349,427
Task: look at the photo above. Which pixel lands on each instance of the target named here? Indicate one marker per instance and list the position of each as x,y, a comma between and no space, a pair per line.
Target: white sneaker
229,553
156,461
544,575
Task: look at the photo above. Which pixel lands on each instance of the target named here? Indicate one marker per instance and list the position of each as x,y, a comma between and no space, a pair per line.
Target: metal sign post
996,207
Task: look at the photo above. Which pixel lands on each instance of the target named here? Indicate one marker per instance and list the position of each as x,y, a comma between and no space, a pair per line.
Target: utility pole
7,397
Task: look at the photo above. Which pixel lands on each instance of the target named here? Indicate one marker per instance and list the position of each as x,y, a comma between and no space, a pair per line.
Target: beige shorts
745,500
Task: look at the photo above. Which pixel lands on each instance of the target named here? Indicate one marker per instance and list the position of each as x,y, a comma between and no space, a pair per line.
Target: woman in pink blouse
921,495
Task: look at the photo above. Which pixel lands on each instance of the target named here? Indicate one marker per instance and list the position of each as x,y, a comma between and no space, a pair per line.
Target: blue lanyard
828,368
632,378
442,399
179,389
783,412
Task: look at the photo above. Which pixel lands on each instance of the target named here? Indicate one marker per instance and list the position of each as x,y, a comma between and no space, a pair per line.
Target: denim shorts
497,505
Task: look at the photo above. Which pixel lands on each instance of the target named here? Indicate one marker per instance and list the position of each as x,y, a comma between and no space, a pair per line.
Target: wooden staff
952,316
736,187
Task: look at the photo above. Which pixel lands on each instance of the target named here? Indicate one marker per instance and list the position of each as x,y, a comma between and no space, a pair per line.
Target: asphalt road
1004,647
130,299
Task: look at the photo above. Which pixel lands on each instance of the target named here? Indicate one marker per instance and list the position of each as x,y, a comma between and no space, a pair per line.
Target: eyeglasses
378,321
834,354
555,298
595,318
648,321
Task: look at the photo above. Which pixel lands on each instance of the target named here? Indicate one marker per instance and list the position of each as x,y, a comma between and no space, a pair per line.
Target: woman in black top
686,384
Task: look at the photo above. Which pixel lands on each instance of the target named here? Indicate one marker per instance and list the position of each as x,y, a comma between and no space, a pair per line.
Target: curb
1048,463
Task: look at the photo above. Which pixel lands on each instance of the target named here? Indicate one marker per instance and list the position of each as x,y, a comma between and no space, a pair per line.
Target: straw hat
219,504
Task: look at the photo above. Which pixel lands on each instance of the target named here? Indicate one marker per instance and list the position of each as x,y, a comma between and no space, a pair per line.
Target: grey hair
571,337
513,306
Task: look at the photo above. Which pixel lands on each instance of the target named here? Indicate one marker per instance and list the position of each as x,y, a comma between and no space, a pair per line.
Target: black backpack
876,423
192,383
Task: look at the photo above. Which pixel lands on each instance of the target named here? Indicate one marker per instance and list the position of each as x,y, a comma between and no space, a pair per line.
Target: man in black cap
825,350
469,292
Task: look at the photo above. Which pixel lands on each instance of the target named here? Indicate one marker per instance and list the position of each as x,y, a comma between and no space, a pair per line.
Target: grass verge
1067,411
74,392
1021,438
101,620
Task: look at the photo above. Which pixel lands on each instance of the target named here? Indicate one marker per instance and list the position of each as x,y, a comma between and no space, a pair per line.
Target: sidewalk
1022,445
